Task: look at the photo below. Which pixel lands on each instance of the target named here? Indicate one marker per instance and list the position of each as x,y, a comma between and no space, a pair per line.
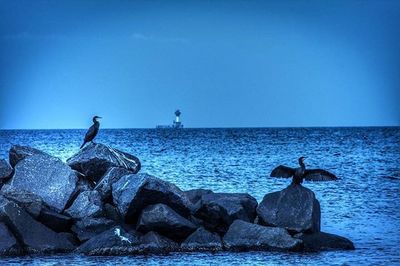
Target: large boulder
111,176
35,237
87,204
133,192
202,240
55,221
219,210
152,242
115,241
95,159
90,227
18,153
244,236
29,201
194,195
166,221
47,177
321,241
294,208
8,244
5,171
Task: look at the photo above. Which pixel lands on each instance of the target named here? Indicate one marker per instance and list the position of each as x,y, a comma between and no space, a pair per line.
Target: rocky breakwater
98,204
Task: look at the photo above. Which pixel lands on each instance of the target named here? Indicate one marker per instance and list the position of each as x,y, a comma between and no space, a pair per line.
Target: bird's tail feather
82,145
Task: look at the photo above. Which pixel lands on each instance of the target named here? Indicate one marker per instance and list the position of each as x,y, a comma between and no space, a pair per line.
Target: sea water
363,205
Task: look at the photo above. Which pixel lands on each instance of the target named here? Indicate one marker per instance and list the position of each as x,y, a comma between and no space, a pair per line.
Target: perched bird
92,131
301,173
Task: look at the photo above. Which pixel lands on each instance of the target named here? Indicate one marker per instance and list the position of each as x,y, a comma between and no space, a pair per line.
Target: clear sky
223,63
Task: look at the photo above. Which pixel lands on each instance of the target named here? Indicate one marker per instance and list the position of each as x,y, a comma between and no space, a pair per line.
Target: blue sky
223,63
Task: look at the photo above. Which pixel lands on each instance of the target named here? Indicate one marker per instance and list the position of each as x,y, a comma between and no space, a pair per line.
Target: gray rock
202,240
244,236
5,171
115,241
166,221
18,153
134,192
35,237
112,175
194,195
55,221
32,203
219,210
152,242
8,244
90,227
47,177
321,241
95,159
87,204
294,208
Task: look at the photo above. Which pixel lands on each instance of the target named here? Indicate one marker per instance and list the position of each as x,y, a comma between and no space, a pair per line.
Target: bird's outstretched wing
319,175
283,171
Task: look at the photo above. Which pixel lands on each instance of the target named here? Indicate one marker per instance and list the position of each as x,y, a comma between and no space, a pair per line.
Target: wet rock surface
294,208
219,210
244,236
5,171
35,237
95,159
202,240
164,220
134,192
47,177
321,241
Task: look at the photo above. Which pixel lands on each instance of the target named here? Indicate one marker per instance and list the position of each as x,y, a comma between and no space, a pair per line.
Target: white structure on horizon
176,123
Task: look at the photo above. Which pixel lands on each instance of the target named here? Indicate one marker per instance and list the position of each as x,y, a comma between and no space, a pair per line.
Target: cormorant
301,173
92,131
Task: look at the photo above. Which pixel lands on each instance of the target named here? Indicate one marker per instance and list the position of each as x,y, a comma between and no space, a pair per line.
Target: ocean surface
364,205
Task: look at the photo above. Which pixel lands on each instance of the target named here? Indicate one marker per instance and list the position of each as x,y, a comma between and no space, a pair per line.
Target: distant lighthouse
176,123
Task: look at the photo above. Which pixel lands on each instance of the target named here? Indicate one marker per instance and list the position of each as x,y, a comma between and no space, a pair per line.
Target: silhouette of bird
301,173
92,131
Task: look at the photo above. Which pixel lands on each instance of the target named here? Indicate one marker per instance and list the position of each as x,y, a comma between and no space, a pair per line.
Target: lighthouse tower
177,122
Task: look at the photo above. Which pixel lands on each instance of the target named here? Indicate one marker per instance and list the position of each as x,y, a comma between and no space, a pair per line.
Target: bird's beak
100,117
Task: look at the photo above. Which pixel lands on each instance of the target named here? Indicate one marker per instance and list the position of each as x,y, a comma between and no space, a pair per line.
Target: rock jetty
98,203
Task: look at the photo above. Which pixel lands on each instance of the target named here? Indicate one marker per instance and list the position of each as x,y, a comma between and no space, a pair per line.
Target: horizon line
254,127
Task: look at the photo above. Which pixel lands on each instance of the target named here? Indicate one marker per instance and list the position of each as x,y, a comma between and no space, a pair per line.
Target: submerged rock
166,221
35,237
294,208
90,227
219,210
47,177
8,244
114,241
5,171
30,202
321,241
202,240
18,153
112,175
95,159
134,192
87,204
244,236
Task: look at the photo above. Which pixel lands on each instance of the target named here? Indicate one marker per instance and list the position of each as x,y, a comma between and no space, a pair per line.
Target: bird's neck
302,165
